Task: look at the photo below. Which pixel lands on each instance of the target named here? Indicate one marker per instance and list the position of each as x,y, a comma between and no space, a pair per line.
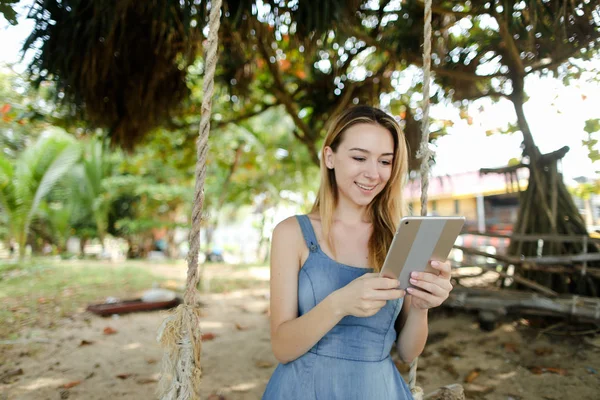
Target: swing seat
132,305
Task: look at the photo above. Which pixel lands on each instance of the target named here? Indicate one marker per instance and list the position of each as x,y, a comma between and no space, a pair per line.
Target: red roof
464,184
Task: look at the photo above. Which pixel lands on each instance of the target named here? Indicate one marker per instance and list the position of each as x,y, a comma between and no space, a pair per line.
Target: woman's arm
413,331
431,291
293,336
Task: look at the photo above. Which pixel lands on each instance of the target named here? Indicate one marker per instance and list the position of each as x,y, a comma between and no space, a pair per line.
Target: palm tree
90,185
26,180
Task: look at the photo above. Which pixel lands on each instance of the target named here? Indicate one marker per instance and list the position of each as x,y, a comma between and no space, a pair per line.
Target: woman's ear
328,154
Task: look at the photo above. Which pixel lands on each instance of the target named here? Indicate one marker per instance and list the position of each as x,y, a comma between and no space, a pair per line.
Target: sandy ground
78,360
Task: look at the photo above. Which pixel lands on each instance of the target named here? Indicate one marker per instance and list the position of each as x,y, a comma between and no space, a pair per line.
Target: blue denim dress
352,361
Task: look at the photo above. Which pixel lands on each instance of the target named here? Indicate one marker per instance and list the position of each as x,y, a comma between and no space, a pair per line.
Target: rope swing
426,156
180,333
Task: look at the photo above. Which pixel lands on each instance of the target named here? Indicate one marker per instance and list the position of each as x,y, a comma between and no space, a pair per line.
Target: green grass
38,294
239,267
223,285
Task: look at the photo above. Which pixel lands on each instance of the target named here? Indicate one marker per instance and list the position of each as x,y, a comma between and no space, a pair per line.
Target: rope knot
425,153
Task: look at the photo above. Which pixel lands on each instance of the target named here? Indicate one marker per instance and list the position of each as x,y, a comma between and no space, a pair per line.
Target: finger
444,267
432,300
385,283
432,278
388,294
430,287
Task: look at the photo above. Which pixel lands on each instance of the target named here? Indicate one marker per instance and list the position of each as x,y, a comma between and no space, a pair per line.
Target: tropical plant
90,180
26,180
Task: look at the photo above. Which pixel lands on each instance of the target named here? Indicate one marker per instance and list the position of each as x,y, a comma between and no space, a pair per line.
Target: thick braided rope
180,333
202,149
424,153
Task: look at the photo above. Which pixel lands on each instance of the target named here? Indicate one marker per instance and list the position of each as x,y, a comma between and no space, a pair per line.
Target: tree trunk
211,227
22,238
547,208
172,249
82,243
261,239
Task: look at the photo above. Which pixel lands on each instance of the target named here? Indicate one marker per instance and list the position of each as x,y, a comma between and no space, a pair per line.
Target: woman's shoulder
288,229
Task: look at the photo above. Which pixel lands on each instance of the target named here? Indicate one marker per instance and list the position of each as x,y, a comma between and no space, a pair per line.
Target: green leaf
63,163
513,161
592,125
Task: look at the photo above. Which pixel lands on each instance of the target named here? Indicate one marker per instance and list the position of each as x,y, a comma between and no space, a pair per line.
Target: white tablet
418,240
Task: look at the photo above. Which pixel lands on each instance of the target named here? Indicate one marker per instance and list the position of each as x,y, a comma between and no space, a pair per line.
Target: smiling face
362,162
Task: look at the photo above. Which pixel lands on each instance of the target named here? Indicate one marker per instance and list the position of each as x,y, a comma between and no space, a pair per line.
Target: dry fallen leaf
208,336
71,384
85,343
544,351
109,331
216,397
123,376
143,381
472,375
240,327
559,371
263,364
150,361
541,370
510,347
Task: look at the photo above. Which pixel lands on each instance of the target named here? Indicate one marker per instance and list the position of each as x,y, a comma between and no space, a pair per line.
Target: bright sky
556,116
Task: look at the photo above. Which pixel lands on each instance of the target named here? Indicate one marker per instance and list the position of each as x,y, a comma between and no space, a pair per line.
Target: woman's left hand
430,290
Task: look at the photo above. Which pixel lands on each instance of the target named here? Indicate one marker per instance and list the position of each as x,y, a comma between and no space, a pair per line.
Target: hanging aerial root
180,336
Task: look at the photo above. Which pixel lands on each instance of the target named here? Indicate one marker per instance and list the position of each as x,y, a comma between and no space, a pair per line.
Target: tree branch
457,74
544,159
514,56
310,144
489,93
558,60
232,169
379,18
280,90
555,155
242,116
503,170
445,11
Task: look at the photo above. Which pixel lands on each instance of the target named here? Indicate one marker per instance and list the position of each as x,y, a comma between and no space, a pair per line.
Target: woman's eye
386,162
358,158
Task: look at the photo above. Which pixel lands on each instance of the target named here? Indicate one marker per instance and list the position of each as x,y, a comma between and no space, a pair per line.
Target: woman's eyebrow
368,152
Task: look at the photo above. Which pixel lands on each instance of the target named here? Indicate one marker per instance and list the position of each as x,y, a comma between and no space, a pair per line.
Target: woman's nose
371,169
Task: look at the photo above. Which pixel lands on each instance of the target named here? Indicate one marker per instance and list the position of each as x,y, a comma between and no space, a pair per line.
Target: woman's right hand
365,296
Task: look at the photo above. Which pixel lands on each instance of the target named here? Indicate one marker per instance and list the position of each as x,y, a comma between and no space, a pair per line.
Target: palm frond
62,163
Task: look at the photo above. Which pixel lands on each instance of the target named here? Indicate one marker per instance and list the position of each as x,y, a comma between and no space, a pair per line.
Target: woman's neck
350,214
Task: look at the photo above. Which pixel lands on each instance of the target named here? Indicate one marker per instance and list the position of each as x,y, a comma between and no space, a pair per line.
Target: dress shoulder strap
308,232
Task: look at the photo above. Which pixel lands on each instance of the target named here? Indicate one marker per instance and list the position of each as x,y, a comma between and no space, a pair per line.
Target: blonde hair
387,208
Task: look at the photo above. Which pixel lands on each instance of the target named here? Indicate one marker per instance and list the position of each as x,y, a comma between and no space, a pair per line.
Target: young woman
332,316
